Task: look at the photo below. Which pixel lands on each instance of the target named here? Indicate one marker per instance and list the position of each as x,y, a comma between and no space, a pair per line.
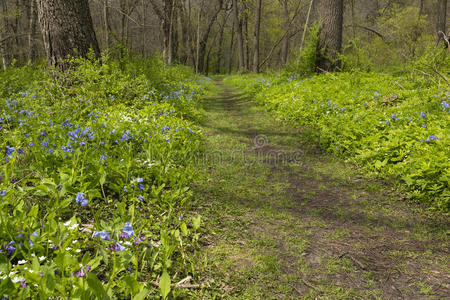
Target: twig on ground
310,285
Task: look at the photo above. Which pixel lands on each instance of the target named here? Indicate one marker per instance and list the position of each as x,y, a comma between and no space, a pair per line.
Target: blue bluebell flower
10,248
422,115
117,247
127,230
102,158
104,235
432,138
81,199
3,193
9,150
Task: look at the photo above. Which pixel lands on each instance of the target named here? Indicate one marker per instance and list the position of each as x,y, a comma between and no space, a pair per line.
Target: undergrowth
94,179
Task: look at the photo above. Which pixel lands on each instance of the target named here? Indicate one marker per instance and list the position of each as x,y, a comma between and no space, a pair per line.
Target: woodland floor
305,225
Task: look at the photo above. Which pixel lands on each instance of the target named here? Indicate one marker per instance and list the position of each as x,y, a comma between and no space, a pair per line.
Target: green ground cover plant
394,125
94,175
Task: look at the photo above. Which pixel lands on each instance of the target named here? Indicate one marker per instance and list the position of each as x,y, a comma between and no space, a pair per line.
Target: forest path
285,221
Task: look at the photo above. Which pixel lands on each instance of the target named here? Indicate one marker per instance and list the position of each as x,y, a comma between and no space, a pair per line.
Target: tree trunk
144,29
67,30
4,45
256,36
372,12
105,22
230,62
32,53
330,40
238,28
285,43
246,39
204,39
184,24
441,18
220,50
124,22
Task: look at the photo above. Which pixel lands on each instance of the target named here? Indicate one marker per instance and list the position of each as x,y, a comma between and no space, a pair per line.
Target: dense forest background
223,36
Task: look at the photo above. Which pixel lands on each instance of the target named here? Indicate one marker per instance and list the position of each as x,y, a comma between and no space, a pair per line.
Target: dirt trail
287,221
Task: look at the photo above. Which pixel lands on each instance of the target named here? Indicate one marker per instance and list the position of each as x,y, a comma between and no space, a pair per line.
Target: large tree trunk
238,27
256,36
441,18
330,41
67,30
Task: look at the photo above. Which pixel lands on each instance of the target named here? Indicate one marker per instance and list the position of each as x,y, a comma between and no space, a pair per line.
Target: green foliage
394,126
405,36
94,178
305,63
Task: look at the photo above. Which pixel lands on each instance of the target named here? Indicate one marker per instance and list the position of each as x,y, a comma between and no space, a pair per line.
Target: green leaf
196,222
50,282
96,286
132,284
164,284
103,177
142,294
184,229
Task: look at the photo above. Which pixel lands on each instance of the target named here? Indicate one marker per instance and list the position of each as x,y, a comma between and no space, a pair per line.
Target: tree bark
257,36
67,30
204,39
105,22
330,39
230,62
287,25
220,50
238,28
441,20
246,39
32,52
5,40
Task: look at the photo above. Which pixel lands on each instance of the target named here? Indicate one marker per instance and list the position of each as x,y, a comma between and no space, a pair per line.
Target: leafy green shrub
305,63
94,175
